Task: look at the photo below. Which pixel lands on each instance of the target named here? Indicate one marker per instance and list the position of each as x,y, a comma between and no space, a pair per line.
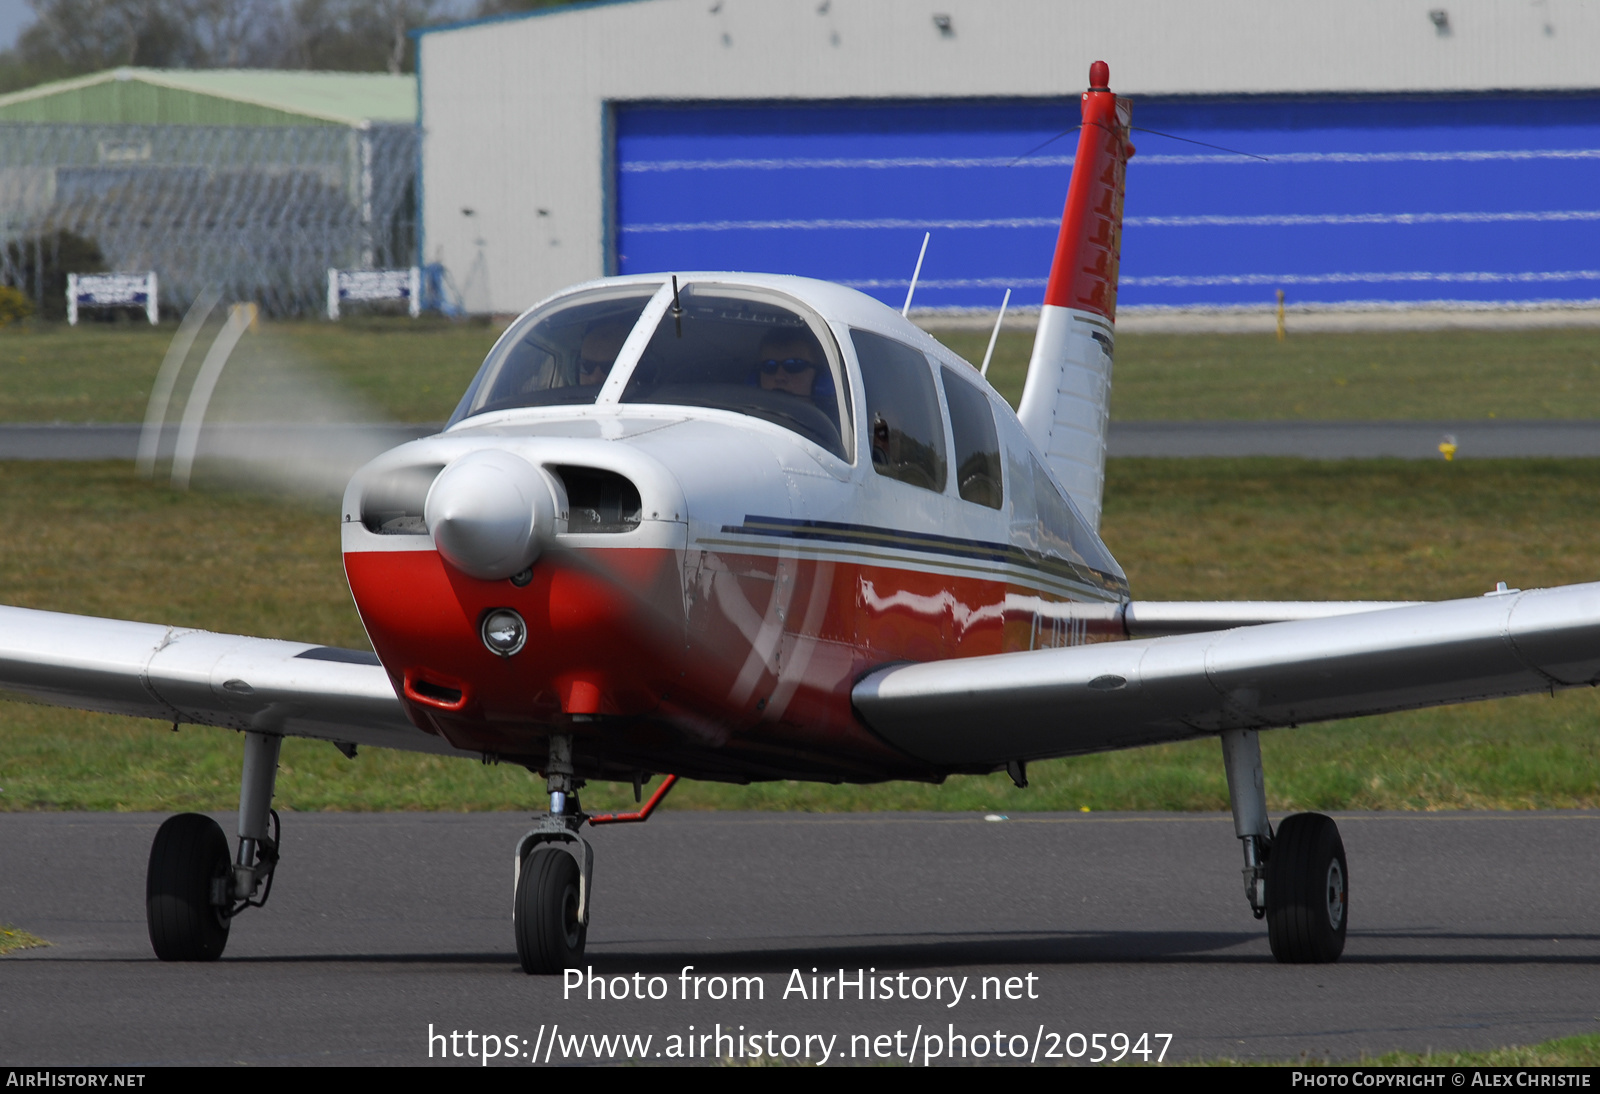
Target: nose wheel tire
187,861
550,937
1308,891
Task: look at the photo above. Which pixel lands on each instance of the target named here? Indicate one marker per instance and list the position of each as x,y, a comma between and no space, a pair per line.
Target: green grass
91,538
98,541
409,370
1425,375
13,939
397,369
1359,529
1580,1051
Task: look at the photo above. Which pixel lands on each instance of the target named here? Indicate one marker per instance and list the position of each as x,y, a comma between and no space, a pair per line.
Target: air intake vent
599,501
417,687
391,502
438,693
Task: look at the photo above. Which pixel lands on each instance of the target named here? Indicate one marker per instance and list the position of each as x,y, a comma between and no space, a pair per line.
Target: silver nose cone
487,513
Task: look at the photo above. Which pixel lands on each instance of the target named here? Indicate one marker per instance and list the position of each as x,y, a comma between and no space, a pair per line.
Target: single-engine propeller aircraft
740,527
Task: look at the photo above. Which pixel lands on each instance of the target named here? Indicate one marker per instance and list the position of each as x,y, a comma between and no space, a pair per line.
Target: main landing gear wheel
550,936
1308,891
188,861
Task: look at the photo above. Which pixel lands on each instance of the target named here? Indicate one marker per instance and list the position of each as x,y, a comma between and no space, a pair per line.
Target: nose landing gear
555,868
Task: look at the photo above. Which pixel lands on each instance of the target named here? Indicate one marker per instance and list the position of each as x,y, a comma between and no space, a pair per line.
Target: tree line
76,37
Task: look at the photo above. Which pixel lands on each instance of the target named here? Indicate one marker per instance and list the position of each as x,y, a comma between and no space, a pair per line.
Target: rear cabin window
1045,523
977,443
560,354
904,426
750,352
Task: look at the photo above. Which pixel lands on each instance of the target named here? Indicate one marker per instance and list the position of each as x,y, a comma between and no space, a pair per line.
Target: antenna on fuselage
677,308
916,273
994,335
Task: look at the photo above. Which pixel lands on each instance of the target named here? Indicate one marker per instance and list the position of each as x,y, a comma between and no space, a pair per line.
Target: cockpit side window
560,354
904,425
977,443
752,352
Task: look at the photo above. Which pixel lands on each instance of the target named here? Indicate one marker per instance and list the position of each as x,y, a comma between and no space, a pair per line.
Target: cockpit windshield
752,352
558,355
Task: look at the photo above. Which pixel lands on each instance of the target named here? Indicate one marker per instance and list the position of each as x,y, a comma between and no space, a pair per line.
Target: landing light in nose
503,631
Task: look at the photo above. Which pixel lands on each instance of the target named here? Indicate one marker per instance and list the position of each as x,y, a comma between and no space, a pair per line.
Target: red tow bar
643,814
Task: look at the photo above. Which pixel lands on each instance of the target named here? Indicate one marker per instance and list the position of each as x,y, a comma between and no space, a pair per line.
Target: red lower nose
602,630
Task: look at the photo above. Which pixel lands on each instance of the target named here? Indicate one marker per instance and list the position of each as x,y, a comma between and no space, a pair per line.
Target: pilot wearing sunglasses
787,361
598,352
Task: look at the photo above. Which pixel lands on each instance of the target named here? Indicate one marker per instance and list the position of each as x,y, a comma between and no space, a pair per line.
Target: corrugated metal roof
217,97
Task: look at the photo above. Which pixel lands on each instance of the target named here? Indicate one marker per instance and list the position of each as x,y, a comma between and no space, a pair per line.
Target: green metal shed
252,182
150,96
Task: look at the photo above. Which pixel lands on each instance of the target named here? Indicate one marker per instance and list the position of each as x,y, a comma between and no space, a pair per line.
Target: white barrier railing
113,290
375,285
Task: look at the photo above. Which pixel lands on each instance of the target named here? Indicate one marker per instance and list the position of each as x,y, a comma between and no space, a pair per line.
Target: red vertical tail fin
1084,273
1066,402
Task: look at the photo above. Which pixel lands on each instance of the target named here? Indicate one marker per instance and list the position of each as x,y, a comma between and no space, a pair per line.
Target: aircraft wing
1032,705
176,675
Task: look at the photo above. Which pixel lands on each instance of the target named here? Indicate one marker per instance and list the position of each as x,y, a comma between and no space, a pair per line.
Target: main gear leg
1247,793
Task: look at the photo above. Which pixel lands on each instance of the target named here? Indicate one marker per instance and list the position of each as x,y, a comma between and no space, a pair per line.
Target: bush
14,305
53,256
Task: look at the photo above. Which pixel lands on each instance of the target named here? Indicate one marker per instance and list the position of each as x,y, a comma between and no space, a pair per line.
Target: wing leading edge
984,711
151,671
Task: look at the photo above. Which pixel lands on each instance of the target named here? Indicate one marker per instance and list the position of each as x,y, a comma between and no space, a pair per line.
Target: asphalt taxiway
1467,931
352,445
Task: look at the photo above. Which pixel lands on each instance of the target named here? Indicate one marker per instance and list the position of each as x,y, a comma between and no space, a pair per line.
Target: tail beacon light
488,513
1066,402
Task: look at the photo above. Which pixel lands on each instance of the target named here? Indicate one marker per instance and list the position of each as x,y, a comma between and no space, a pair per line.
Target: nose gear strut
553,872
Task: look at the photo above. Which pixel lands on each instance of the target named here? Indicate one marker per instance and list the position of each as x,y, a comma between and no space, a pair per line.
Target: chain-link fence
261,212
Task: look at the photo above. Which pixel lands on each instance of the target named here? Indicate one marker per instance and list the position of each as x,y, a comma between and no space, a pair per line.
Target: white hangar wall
519,114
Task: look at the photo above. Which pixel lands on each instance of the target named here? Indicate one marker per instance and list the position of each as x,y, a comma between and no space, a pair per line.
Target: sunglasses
792,365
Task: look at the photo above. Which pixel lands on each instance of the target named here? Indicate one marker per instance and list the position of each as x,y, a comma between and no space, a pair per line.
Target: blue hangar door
1368,201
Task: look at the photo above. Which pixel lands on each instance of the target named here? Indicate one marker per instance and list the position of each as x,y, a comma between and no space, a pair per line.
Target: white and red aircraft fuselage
743,527
715,576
